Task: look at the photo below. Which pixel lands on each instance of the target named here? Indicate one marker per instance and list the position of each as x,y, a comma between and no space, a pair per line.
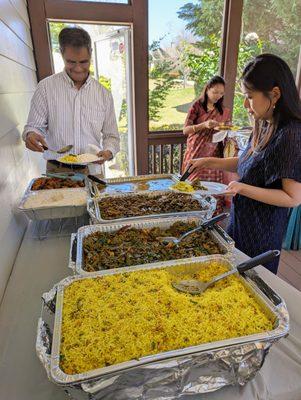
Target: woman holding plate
270,167
205,114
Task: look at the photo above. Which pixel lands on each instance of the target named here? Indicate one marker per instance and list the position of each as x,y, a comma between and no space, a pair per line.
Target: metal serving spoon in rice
194,286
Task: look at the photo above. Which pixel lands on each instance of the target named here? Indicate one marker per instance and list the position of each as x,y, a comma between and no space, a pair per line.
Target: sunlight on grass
173,114
175,109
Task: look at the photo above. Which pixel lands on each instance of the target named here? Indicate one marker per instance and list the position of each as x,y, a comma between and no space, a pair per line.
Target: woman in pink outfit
206,113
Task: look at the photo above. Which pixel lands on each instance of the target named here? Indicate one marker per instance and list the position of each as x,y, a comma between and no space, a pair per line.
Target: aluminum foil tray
77,252
129,184
207,207
192,370
34,179
51,212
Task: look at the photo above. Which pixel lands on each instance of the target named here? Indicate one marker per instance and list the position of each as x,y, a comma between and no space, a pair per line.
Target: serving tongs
97,180
194,286
186,174
209,223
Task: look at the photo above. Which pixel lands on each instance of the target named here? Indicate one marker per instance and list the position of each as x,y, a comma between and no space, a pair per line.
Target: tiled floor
290,267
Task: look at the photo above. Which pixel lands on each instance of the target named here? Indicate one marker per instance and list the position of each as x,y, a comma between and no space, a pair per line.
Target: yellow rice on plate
69,158
112,319
80,158
184,187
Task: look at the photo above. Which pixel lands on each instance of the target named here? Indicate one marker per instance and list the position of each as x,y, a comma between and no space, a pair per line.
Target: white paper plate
219,136
80,163
227,128
213,188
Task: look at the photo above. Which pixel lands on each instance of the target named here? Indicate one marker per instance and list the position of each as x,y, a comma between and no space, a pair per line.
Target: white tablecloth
40,264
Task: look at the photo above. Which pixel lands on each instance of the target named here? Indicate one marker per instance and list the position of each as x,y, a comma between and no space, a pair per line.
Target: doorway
111,66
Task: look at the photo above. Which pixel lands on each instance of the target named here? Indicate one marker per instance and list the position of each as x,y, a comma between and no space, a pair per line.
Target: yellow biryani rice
80,158
111,319
183,187
69,158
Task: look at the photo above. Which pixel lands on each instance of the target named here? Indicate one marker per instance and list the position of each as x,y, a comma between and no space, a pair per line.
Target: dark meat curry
136,205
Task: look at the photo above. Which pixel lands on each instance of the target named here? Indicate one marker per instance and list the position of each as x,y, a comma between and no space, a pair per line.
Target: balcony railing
166,149
165,152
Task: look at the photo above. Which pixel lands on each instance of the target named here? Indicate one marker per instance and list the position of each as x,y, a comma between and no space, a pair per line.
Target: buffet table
40,264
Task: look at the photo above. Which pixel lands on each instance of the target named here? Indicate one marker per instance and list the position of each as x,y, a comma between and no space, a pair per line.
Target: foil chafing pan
130,184
242,356
51,212
207,207
76,261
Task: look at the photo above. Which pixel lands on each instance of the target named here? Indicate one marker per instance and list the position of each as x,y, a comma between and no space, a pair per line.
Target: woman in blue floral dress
270,168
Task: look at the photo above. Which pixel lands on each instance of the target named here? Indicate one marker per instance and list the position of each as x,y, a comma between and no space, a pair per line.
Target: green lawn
175,109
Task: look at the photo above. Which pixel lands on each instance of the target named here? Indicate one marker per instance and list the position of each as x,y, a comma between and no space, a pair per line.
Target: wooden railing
165,152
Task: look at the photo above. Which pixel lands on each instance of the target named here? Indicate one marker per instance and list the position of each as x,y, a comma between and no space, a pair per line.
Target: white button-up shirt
67,115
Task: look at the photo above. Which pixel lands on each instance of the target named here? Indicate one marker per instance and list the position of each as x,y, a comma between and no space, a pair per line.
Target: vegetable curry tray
107,246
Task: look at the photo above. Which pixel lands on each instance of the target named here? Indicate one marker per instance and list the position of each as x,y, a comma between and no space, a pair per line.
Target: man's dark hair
74,37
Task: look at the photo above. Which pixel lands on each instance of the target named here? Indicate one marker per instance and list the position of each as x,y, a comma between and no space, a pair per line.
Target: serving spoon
63,150
73,176
97,180
194,286
204,225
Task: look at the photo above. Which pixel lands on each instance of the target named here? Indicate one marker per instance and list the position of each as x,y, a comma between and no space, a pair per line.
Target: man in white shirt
71,107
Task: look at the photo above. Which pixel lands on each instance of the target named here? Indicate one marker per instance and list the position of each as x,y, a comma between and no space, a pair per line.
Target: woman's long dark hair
262,74
219,105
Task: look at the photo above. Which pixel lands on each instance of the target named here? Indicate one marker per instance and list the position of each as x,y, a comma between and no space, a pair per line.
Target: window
184,51
267,27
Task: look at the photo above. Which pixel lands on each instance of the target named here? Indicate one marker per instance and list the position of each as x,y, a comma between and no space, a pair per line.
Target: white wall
17,165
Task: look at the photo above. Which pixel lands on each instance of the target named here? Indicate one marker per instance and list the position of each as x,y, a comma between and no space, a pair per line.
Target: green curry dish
131,246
